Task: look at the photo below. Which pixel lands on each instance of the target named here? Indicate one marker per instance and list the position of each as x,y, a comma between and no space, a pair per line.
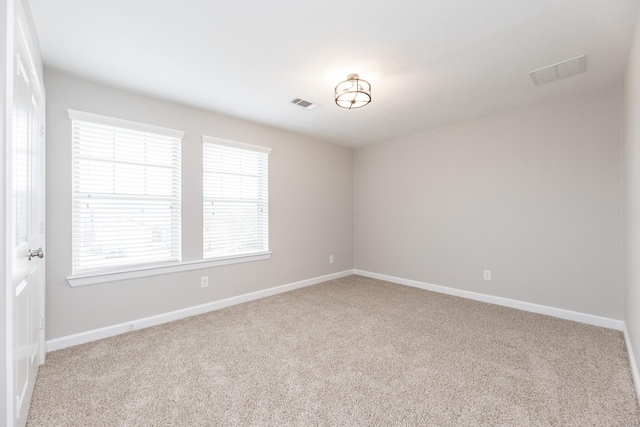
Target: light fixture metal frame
352,93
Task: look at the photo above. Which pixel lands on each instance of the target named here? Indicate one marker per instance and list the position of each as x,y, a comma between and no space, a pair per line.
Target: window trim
112,121
235,144
75,281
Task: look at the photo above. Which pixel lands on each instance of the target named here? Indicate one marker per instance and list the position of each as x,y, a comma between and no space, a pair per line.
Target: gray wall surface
534,194
311,211
631,112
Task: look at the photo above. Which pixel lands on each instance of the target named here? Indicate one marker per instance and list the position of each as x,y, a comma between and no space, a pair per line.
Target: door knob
36,253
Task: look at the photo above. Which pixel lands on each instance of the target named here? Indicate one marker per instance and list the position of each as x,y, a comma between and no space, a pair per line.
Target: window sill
93,279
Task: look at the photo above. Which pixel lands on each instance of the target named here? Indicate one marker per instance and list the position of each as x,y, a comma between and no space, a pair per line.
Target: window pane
126,197
235,194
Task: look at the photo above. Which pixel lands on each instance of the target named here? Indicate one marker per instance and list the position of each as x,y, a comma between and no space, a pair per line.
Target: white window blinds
236,199
126,194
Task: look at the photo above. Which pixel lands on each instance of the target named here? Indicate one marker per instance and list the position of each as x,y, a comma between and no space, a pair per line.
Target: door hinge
41,322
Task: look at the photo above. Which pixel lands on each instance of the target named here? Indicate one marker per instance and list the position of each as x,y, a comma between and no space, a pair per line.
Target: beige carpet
353,351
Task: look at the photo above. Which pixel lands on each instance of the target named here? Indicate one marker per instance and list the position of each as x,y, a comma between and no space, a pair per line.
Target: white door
27,223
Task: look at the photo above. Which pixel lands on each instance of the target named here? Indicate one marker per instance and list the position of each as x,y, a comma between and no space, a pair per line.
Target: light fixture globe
353,92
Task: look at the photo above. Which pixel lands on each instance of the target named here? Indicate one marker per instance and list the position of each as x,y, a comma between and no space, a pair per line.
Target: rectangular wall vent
559,71
304,104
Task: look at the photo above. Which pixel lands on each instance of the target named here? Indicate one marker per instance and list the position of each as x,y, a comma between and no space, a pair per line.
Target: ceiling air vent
304,104
558,71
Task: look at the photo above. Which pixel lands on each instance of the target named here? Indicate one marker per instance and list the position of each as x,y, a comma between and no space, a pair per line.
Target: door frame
6,393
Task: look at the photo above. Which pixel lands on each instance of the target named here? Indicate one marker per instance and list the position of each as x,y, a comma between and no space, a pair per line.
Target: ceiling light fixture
353,92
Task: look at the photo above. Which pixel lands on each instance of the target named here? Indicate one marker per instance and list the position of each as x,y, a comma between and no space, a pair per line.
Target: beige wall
311,211
631,131
534,194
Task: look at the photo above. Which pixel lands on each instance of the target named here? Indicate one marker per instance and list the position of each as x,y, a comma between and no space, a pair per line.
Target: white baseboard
109,331
632,361
520,305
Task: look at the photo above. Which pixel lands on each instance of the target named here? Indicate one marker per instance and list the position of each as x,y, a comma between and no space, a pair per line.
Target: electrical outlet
487,274
330,259
204,282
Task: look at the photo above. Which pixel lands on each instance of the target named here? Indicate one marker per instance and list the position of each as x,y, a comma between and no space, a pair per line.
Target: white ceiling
431,63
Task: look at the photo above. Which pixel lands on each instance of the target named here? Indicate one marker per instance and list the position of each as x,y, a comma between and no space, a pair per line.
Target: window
235,196
126,194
